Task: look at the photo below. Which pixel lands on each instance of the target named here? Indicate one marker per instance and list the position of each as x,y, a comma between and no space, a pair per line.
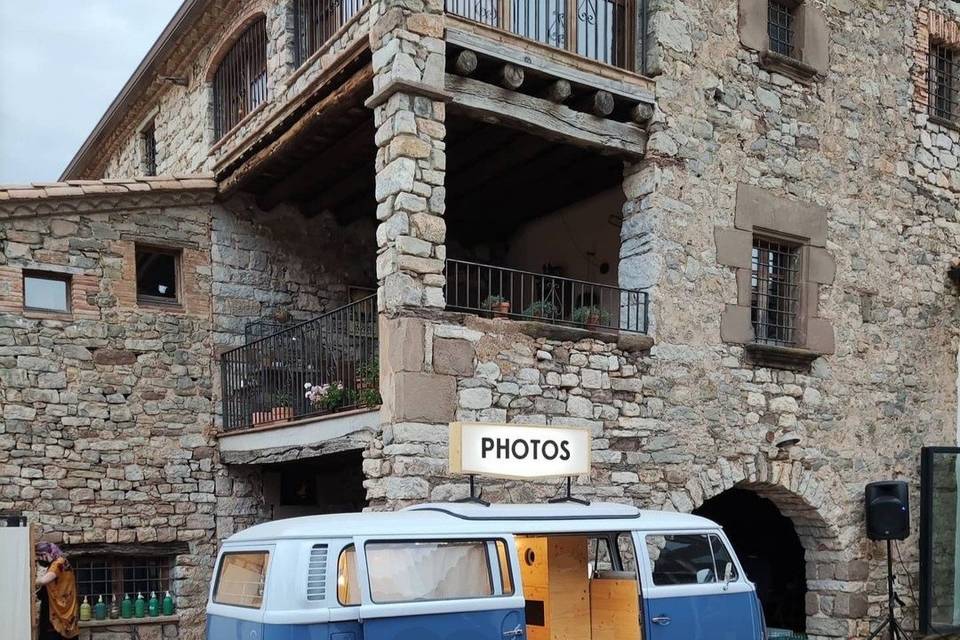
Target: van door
694,589
236,605
440,589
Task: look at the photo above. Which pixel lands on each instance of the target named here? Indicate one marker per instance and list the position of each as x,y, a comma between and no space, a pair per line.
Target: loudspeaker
888,510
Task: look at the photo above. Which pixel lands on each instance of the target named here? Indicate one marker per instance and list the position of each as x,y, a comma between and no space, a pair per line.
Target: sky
61,64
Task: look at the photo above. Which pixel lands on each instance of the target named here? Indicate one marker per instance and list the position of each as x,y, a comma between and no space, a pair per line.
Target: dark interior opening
328,484
769,550
156,274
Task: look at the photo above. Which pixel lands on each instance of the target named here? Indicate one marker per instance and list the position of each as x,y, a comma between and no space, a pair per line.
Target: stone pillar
409,113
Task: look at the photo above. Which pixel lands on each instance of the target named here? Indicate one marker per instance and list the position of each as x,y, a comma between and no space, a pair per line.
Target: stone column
409,113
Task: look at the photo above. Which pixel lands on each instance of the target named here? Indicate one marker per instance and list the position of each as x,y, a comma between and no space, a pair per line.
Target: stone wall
268,262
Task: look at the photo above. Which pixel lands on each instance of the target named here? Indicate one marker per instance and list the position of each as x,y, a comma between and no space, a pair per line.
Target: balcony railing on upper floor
609,31
524,295
316,21
324,365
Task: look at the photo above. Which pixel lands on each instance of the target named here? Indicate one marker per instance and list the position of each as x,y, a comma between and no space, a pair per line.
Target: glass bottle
114,608
168,606
126,607
100,609
153,605
139,607
85,610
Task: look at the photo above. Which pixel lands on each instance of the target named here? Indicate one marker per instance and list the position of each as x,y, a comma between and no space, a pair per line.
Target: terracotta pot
275,415
281,414
593,321
501,309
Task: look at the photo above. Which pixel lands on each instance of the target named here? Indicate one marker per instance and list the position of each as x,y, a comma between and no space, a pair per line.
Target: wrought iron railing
316,21
610,31
324,365
511,293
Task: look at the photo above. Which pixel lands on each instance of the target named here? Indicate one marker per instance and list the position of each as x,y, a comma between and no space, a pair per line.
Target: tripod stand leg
876,632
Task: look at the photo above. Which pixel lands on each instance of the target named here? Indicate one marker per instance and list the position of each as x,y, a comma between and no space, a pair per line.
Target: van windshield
416,571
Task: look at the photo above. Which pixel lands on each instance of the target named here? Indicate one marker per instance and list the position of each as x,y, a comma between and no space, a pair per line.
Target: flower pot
276,414
281,414
593,321
501,309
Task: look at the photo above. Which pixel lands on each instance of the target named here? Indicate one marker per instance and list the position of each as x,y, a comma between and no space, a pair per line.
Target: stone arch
233,34
834,577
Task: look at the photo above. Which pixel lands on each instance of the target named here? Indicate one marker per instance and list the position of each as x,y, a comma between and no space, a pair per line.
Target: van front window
417,571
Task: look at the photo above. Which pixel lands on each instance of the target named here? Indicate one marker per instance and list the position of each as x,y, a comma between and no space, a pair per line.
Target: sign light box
518,451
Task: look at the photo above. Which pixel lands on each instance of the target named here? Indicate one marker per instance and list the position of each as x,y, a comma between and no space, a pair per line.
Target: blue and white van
474,572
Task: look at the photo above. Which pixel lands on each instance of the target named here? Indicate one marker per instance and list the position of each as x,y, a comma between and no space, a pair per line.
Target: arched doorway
769,549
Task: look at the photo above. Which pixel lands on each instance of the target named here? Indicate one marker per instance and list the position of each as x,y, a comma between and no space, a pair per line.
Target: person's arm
46,579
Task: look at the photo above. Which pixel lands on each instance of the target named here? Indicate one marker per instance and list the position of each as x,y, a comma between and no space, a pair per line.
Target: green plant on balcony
542,309
325,397
590,316
498,305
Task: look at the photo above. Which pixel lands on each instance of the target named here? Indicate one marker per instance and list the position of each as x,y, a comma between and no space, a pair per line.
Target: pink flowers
324,396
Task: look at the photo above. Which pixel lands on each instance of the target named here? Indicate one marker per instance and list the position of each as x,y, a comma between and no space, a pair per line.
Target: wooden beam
466,62
599,103
546,119
336,101
511,76
642,113
557,91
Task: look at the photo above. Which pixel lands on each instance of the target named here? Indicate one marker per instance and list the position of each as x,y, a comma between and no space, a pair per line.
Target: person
58,600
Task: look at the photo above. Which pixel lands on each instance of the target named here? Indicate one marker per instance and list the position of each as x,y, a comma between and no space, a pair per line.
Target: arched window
240,83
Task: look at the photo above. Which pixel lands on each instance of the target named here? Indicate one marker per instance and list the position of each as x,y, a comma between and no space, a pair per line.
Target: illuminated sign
518,451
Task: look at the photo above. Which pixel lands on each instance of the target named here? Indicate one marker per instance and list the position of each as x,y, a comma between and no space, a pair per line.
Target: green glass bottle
139,607
168,605
153,605
126,607
84,610
114,608
100,609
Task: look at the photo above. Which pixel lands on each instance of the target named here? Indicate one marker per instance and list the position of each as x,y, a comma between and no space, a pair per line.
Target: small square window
44,291
780,27
775,291
158,275
944,83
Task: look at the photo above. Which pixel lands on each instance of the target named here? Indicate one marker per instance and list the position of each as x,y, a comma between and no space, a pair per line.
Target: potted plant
325,398
542,309
282,407
499,305
368,381
590,316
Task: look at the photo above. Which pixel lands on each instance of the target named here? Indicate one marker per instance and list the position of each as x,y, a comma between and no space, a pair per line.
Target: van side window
348,583
506,578
435,570
628,555
241,578
688,559
598,556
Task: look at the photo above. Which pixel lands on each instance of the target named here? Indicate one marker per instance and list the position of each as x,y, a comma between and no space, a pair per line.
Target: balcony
326,365
501,292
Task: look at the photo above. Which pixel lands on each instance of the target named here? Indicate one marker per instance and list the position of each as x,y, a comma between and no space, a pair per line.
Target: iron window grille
149,141
780,28
775,291
316,21
110,576
943,82
240,83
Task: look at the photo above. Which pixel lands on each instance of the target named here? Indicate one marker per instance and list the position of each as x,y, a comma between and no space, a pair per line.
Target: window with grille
317,20
943,82
240,83
780,27
775,291
148,139
110,576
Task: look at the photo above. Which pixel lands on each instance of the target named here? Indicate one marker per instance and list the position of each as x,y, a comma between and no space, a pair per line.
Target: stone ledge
776,357
790,67
125,622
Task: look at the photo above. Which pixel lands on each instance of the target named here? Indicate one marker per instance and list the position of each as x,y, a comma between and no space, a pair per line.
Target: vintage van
474,572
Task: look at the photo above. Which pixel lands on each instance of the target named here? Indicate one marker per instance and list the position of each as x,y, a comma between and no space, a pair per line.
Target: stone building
716,233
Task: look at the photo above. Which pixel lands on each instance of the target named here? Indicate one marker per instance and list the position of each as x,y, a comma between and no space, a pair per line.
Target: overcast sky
61,64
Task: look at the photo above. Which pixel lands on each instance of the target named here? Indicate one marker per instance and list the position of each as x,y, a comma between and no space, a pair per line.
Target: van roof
438,519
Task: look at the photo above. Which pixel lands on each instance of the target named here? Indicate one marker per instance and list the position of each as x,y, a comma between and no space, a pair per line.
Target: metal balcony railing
524,295
609,31
324,365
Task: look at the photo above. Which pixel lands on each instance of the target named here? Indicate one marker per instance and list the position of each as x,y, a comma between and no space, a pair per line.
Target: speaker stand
890,625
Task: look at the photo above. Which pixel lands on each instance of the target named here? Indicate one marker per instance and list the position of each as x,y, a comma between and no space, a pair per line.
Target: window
348,582
417,571
317,20
110,576
241,578
240,83
780,28
157,275
688,559
943,82
45,291
775,291
148,141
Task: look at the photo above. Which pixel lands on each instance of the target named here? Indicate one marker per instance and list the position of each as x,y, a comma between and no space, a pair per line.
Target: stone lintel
759,209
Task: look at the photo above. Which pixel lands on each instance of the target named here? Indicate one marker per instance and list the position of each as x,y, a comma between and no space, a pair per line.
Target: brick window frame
57,276
935,30
147,300
764,215
809,53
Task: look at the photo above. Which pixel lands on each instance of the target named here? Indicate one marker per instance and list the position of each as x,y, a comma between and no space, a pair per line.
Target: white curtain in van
412,571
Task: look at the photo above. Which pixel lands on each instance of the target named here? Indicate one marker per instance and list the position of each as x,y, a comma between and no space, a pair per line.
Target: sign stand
475,497
569,497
